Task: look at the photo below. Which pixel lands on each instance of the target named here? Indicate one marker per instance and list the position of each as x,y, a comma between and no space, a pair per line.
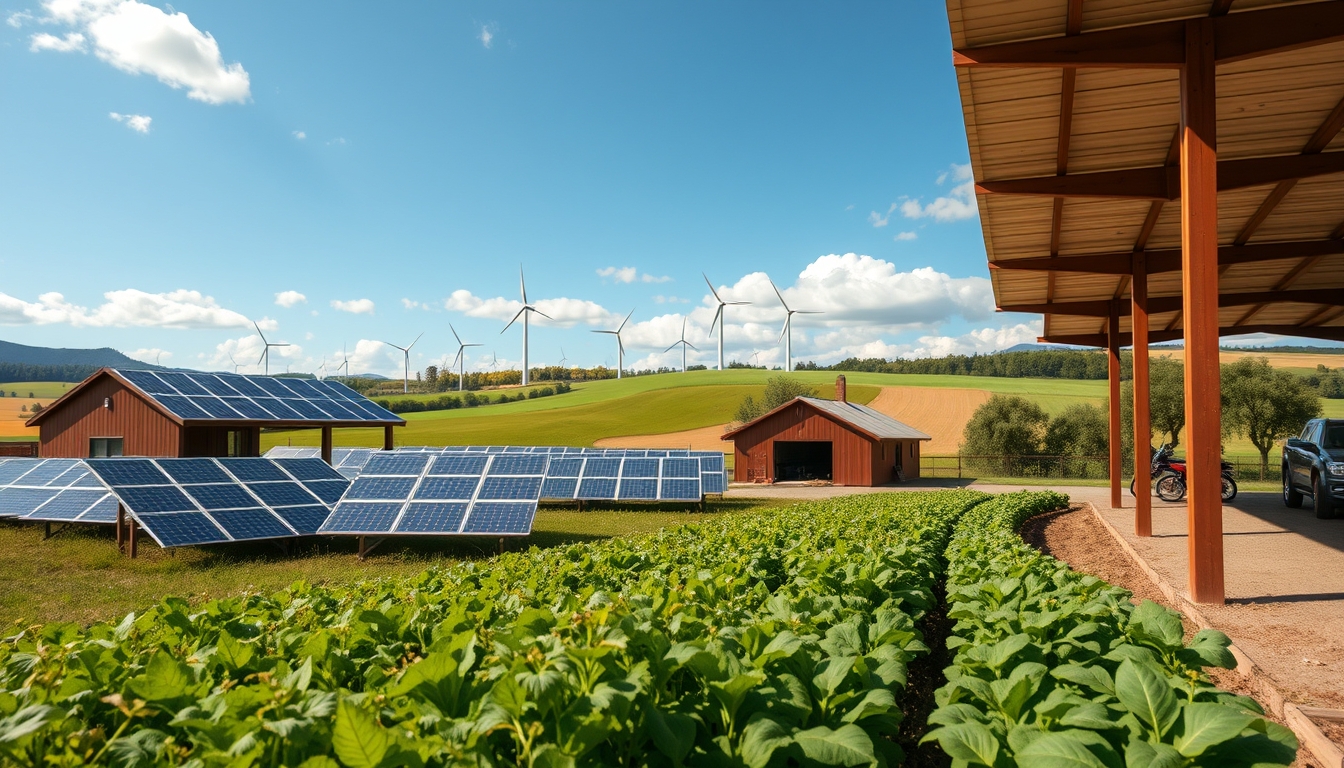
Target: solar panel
232,397
419,492
190,501
53,490
619,474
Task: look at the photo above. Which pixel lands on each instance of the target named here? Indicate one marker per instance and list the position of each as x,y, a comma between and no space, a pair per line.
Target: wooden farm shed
142,413
836,440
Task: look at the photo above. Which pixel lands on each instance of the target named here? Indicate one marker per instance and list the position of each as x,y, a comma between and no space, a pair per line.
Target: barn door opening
802,460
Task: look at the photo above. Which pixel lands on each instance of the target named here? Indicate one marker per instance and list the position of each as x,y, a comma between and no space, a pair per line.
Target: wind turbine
786,335
406,373
523,313
321,371
345,362
718,315
620,346
266,352
235,363
563,359
494,362
461,358
684,344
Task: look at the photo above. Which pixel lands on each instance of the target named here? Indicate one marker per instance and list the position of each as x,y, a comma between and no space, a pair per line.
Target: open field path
941,413
702,439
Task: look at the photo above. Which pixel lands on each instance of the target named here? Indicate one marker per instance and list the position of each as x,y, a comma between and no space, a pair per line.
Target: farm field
1297,362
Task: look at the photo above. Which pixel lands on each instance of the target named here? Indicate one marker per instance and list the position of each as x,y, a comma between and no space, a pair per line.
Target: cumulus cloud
957,205
901,236
128,308
289,299
630,275
564,312
143,39
300,135
18,18
354,306
878,220
150,355
661,299
139,123
487,35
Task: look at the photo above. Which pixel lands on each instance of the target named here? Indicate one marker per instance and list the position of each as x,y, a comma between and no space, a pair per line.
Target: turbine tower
786,335
406,373
718,315
235,363
563,359
461,358
266,351
345,362
684,344
620,346
524,313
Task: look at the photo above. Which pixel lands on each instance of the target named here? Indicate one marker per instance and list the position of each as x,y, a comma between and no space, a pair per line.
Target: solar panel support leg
326,445
131,535
366,548
501,545
580,505
46,532
387,438
121,529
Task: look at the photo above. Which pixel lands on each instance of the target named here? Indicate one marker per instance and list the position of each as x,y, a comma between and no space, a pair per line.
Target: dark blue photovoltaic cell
243,385
340,410
104,511
117,472
182,406
510,488
501,517
366,487
565,468
597,488
305,520
303,389
212,497
710,461
339,390
457,465
247,408
215,407
163,498
67,478
278,408
396,464
182,383
253,470
524,464
681,468
251,524
282,494
559,488
182,529
447,488
88,480
602,468
329,491
214,385
272,386
46,471
362,517
639,468
432,517
196,471
15,468
148,382
20,501
638,489
67,505
713,482
309,469
680,490
308,410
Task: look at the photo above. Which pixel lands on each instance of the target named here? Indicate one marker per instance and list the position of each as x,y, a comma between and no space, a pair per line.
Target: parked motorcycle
1169,474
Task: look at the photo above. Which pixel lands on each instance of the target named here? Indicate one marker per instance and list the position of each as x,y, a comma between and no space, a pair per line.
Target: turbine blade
711,288
620,327
777,293
808,312
611,332
736,303
674,346
417,339
263,355
279,344
522,284
718,315
543,314
454,330
515,318
692,346
259,333
783,331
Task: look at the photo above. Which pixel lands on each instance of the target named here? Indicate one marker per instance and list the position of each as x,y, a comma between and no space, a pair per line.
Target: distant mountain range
22,354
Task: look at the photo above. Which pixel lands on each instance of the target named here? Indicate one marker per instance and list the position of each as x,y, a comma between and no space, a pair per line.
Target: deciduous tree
1263,404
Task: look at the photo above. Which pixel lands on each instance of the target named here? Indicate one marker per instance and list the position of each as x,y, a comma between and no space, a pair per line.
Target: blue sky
345,173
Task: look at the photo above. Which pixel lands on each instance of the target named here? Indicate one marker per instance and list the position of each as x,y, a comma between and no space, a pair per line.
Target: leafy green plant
1056,668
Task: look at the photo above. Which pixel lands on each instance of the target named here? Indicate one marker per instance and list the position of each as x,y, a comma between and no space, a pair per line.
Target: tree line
470,399
27,372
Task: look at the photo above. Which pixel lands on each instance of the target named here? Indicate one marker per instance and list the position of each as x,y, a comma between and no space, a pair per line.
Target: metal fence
1063,467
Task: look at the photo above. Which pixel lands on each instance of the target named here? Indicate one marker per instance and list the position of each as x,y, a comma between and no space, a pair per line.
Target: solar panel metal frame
204,396
64,481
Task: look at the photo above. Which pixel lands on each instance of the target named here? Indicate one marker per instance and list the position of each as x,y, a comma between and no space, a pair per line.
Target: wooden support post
1199,277
132,536
46,530
326,444
1113,380
1143,496
121,528
387,438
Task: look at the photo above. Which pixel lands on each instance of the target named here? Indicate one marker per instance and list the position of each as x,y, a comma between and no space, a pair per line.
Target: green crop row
774,638
1056,668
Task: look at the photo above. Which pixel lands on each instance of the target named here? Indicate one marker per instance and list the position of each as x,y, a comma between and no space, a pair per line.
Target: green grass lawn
41,390
79,576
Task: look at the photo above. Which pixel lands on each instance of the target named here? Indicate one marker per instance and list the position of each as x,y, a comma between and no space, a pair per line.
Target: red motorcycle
1170,474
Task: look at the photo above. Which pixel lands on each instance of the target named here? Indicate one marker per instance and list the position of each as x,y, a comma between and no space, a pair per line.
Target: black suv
1313,464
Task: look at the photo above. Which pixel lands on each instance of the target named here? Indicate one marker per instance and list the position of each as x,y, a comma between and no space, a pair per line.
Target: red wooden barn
185,413
811,439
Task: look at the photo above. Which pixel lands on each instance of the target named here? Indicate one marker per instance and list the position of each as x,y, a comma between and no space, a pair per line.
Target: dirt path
703,439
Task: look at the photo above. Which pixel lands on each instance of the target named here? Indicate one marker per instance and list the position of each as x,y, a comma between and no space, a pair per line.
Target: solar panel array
713,474
183,502
624,478
54,490
423,492
347,461
232,397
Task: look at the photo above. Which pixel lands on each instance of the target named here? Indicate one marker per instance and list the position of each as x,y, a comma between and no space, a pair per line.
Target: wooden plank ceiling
1037,131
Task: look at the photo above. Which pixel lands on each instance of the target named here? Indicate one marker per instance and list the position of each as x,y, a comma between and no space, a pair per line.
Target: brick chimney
840,389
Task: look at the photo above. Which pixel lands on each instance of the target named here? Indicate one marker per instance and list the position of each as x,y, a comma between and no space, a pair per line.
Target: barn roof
874,424
191,397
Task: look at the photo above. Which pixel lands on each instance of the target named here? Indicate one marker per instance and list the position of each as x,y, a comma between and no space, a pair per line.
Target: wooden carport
1155,171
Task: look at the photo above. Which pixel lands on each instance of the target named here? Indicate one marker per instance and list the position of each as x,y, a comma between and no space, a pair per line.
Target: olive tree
1004,425
1264,405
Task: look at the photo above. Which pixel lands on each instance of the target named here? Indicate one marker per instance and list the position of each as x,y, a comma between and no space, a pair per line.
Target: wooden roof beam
1328,333
1161,45
1163,182
1169,259
1332,297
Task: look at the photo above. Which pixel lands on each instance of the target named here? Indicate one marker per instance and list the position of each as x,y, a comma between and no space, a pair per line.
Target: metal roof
875,423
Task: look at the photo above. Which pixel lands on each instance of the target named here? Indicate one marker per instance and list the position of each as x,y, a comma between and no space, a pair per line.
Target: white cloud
336,142
18,19
660,299
630,275
354,306
139,123
143,39
565,312
126,309
149,355
300,135
413,304
42,41
246,351
959,203
878,220
288,299
487,35
905,236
